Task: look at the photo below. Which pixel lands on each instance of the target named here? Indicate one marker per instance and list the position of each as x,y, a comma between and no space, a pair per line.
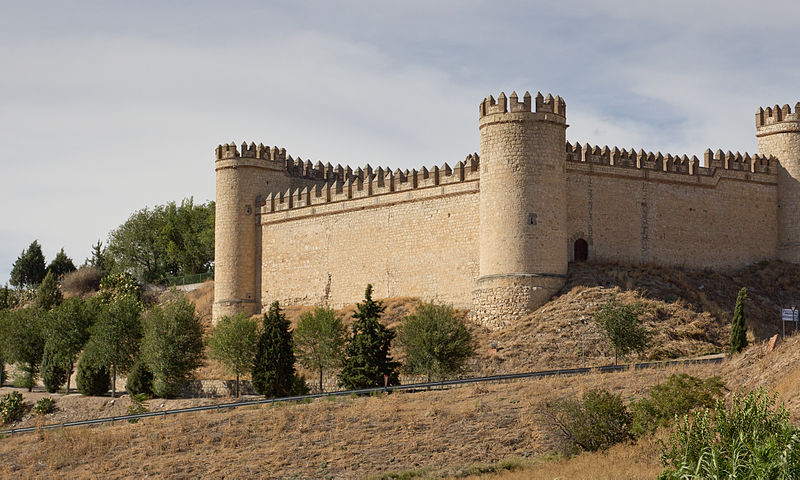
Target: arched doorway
581,250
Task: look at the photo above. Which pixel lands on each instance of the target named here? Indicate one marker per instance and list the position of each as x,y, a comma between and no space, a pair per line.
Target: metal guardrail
341,393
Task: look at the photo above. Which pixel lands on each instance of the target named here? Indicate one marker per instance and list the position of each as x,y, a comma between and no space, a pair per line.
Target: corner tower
778,133
523,206
241,181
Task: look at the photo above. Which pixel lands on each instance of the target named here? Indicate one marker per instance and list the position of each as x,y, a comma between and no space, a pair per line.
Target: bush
11,407
750,439
92,378
44,406
53,370
138,405
437,343
140,380
620,324
2,372
82,281
679,395
596,422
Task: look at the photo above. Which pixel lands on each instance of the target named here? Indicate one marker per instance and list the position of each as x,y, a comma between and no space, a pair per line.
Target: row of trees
111,332
436,343
30,269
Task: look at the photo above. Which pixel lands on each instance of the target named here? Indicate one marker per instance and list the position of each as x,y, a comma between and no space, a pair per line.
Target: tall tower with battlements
778,133
241,180
523,206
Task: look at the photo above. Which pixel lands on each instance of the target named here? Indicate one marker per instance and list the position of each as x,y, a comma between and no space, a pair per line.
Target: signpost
790,315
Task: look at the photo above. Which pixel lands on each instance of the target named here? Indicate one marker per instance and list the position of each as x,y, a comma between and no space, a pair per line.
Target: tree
7,298
172,344
319,340
22,338
367,357
47,294
739,326
93,377
53,371
273,367
233,343
115,336
61,265
66,331
165,240
620,324
98,259
29,269
436,342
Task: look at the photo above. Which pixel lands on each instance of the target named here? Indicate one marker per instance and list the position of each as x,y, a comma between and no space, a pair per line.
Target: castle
494,233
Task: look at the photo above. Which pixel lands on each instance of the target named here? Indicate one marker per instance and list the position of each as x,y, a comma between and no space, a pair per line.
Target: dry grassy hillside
689,312
433,434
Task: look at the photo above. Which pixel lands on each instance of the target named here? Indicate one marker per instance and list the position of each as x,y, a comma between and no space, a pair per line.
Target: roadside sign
788,315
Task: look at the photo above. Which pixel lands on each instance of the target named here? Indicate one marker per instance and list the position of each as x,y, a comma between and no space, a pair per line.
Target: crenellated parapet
539,104
682,164
772,115
349,184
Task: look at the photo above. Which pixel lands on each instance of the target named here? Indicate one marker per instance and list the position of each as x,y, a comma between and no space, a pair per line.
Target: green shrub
140,380
53,370
92,378
138,405
749,439
596,422
679,395
44,406
11,407
2,372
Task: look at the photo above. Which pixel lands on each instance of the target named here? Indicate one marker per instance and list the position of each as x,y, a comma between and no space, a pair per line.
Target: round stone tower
241,182
523,206
778,133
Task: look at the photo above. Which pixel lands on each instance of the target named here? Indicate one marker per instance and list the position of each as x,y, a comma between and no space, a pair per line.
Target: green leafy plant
597,421
738,325
116,334
319,341
23,342
437,343
751,438
367,357
620,324
677,396
172,344
233,343
44,406
138,405
12,407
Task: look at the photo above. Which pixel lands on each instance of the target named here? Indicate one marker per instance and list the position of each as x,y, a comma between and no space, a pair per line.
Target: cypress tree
738,327
48,294
29,269
273,368
367,357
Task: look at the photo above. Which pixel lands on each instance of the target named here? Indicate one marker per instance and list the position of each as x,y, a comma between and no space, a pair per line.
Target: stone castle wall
315,234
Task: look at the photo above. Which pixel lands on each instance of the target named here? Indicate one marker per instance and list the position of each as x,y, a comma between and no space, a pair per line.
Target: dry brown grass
81,282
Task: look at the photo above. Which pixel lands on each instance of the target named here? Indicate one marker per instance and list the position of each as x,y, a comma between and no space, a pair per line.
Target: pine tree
273,368
739,326
61,264
29,269
367,357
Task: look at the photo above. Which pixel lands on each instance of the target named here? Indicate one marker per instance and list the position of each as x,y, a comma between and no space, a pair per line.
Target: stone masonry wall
724,220
420,243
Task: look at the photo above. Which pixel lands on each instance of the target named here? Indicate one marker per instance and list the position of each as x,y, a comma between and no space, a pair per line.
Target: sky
109,107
